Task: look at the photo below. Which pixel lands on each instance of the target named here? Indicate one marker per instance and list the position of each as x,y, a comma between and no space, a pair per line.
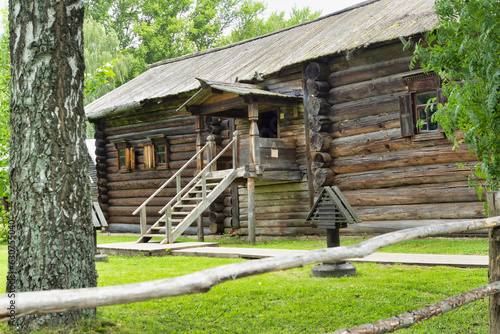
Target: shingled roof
358,26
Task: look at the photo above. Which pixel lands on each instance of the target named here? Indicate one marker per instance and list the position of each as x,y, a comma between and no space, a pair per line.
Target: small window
156,154
122,159
161,155
419,105
424,110
125,156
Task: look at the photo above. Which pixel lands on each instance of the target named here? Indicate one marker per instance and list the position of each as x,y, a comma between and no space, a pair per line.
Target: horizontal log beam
403,176
365,107
467,210
378,142
417,194
369,72
402,158
367,124
381,86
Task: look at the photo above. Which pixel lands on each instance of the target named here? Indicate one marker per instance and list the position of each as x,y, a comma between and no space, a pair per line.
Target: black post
333,269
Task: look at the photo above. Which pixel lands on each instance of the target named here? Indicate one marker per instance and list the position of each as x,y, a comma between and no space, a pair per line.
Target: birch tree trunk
51,230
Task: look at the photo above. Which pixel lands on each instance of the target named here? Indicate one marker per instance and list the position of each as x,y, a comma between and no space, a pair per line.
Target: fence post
493,199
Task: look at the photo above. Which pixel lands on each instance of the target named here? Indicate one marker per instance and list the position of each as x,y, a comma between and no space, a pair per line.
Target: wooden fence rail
411,318
51,301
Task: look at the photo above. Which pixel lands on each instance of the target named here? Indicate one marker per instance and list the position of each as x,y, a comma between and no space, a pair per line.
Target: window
416,108
125,156
156,153
268,124
424,111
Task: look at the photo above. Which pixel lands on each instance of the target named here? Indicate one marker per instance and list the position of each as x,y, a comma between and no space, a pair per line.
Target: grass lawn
291,301
465,246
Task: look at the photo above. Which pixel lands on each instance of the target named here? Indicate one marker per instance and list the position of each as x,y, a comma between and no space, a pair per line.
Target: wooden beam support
199,127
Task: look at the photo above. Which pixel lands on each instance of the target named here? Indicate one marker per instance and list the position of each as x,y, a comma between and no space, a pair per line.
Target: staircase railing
210,167
177,177
210,149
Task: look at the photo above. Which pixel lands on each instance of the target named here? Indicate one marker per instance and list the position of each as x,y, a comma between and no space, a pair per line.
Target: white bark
202,281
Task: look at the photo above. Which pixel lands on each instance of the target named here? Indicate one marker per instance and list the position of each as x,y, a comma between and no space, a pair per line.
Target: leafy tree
117,16
106,66
154,30
466,45
161,30
50,190
250,25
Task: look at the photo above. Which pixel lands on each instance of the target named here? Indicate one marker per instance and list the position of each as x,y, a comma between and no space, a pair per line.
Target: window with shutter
156,155
418,106
125,156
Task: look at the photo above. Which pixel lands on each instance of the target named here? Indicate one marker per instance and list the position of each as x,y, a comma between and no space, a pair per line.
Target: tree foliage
106,66
250,25
465,45
154,30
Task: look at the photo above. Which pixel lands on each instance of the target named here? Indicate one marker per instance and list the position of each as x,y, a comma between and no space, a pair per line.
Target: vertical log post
144,227
493,199
199,126
253,116
211,153
168,224
251,210
236,149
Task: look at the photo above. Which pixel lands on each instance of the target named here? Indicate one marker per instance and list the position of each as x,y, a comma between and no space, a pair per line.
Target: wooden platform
149,248
465,261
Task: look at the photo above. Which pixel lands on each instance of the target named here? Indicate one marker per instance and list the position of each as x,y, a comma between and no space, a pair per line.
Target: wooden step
184,205
154,235
180,213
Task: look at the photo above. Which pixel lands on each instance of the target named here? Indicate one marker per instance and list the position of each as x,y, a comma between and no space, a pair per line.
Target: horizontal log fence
52,301
411,318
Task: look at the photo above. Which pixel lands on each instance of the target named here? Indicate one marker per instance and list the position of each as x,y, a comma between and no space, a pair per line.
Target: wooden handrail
170,179
204,170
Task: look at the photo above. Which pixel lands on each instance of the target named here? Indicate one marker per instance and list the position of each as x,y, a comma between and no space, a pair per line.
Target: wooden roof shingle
359,26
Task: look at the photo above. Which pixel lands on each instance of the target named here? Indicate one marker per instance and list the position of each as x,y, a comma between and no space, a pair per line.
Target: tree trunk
52,233
493,199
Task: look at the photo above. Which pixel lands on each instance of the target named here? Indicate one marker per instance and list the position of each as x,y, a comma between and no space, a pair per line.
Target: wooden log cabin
328,102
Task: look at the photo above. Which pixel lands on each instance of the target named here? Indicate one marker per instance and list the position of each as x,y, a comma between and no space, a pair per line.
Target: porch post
199,126
253,116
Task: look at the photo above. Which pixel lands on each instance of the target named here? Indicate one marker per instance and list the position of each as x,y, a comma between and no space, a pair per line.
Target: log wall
356,143
122,192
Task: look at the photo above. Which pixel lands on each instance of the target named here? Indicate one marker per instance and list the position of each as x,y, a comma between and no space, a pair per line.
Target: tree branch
202,281
411,318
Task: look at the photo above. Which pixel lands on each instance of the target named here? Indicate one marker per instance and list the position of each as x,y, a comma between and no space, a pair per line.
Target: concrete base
101,258
340,269
151,248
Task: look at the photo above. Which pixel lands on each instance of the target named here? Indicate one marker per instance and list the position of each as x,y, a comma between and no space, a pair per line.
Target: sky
326,6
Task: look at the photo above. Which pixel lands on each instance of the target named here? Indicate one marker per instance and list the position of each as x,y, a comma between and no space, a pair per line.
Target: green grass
464,246
287,302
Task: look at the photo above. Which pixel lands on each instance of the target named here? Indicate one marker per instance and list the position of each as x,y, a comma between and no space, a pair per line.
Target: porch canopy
225,99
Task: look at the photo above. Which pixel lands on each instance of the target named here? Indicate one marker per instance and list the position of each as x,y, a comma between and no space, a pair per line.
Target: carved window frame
158,153
125,155
409,108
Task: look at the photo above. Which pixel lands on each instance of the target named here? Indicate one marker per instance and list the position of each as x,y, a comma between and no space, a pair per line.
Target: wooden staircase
194,198
190,206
